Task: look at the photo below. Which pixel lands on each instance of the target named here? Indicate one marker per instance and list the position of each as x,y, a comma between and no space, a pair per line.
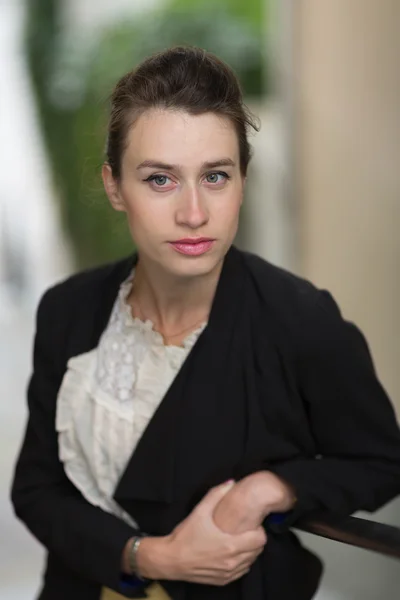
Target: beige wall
347,104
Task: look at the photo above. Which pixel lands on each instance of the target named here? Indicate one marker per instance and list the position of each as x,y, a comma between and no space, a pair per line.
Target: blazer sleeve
87,539
357,465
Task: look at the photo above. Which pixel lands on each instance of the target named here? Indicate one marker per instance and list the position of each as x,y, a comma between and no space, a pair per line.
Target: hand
198,551
247,504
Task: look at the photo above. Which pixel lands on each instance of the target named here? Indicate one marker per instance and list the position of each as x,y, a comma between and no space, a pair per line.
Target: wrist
154,558
125,566
280,496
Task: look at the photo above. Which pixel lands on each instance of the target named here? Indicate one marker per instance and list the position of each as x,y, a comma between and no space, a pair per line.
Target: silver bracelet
132,555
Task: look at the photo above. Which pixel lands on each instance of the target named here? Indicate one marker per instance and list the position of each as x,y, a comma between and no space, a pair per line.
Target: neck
171,302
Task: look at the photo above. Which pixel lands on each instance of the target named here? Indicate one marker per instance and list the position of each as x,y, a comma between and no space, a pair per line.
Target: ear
112,188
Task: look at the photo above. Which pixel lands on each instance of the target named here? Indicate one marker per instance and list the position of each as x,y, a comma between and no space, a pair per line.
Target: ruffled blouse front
107,398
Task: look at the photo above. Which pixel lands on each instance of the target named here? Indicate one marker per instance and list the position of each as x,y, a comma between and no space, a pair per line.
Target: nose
192,210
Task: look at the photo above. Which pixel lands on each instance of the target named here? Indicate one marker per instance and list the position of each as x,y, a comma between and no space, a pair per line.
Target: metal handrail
370,535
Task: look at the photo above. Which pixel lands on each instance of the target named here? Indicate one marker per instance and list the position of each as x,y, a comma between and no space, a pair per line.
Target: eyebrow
155,164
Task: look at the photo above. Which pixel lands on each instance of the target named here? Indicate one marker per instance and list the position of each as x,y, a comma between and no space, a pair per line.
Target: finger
218,580
248,558
214,496
239,574
242,561
211,577
220,570
251,540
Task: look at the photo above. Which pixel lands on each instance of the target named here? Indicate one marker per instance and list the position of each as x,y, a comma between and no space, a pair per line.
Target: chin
185,266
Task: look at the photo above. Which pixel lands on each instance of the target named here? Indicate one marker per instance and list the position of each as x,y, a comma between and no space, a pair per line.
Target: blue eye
213,177
159,180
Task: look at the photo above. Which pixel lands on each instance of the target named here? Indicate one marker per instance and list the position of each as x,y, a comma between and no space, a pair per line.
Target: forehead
181,138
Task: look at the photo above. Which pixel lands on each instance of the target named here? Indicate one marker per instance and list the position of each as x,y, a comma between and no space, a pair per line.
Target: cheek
135,202
146,217
228,210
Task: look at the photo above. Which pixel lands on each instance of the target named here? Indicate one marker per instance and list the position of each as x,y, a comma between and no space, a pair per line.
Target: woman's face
181,188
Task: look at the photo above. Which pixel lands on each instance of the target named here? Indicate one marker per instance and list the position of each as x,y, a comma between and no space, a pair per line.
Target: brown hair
185,78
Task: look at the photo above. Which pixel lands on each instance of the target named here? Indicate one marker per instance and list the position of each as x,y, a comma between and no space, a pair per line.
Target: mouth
193,246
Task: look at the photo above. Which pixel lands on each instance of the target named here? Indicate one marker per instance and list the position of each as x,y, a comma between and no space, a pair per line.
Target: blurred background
323,197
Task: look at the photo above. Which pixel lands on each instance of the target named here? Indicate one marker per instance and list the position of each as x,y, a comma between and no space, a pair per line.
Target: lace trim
76,414
107,398
147,327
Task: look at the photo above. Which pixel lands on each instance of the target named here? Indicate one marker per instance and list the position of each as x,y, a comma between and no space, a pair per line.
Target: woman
183,396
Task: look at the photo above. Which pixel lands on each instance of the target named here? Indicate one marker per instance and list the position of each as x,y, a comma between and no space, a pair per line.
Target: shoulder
309,315
84,286
279,287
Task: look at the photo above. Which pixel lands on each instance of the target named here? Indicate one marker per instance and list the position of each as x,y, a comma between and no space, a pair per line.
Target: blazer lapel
109,292
96,303
183,442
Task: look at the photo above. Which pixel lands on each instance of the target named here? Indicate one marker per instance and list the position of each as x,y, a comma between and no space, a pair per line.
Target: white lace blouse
107,398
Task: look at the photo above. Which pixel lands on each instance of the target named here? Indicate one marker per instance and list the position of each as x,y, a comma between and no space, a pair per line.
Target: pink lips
193,247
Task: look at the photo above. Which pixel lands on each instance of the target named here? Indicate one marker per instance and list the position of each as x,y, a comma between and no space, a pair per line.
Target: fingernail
229,482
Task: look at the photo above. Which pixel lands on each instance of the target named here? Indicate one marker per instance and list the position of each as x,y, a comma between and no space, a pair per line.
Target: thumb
214,495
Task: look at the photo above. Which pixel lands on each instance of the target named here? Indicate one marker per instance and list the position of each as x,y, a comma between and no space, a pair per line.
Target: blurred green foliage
74,73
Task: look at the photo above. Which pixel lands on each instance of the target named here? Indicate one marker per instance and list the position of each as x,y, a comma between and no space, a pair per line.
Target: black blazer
278,380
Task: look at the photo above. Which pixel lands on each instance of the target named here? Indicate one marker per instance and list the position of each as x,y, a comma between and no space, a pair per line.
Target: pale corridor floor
350,574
